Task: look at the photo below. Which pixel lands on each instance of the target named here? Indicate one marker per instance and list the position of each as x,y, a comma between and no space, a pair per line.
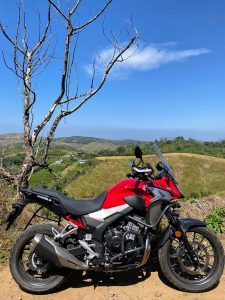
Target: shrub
216,220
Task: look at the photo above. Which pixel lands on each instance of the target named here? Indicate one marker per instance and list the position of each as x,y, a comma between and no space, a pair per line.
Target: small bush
216,220
193,196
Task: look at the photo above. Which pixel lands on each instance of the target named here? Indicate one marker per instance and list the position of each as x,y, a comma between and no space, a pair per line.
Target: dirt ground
137,285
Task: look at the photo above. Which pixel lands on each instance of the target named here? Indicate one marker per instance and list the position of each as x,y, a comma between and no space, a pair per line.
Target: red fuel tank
115,195
167,184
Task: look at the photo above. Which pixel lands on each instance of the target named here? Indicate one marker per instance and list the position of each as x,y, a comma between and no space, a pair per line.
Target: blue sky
173,84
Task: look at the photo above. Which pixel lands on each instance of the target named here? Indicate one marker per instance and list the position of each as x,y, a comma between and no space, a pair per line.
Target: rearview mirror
138,153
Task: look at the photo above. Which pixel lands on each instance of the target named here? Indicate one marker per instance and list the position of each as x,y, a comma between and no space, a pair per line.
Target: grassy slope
91,147
195,173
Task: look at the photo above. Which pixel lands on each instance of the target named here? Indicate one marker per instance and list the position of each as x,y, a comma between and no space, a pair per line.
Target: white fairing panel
107,212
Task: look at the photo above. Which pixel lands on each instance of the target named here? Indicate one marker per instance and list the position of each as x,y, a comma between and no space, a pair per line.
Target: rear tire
27,279
194,282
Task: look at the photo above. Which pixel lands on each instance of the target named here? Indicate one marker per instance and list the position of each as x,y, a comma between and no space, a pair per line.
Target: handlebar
142,170
141,173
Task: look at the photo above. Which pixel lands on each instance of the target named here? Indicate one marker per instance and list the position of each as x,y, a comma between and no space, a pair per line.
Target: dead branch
68,77
75,7
80,27
9,38
44,36
51,111
51,135
107,70
59,10
7,176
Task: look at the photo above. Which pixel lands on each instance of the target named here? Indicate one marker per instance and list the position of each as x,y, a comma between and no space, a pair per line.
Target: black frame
35,215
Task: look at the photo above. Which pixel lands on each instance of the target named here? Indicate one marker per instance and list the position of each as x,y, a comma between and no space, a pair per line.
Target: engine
113,240
123,239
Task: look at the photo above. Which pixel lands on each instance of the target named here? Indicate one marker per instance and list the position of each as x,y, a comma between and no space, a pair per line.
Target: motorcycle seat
71,206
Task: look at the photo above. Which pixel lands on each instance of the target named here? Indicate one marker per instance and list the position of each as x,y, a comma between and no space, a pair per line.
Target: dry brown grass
97,179
202,207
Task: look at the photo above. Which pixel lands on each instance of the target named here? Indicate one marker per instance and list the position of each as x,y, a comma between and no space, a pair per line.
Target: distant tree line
179,144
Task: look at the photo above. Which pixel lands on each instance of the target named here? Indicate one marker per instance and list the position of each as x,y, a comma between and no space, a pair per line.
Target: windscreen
165,164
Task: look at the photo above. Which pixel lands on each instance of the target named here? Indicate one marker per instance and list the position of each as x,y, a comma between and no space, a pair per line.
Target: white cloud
144,58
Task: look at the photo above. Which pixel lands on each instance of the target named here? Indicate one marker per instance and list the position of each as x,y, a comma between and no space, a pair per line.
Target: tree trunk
24,177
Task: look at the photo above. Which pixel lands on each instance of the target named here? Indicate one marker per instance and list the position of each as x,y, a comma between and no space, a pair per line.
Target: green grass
41,178
197,174
63,174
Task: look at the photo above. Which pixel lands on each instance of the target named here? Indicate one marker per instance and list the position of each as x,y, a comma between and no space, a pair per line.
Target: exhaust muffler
48,249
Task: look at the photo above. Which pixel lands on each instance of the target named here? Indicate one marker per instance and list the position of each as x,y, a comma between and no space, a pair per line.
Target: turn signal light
178,234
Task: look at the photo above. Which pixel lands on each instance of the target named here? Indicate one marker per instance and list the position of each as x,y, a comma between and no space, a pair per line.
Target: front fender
189,223
186,224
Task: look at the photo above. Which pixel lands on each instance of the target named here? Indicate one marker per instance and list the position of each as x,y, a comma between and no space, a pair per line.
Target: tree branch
51,136
41,40
80,27
59,10
51,111
75,7
107,70
10,39
7,176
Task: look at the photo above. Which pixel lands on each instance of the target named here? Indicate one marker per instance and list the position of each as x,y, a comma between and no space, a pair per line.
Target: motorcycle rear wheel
32,273
178,269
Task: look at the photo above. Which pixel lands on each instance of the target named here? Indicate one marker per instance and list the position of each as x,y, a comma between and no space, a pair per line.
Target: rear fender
17,209
19,206
185,224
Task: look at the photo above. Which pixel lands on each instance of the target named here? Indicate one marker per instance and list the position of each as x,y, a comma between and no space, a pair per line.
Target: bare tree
29,61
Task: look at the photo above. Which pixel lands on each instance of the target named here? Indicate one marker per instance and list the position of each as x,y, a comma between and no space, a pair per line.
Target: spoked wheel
33,273
182,272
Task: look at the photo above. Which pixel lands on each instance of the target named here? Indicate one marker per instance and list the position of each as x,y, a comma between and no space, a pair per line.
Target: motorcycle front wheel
179,269
33,273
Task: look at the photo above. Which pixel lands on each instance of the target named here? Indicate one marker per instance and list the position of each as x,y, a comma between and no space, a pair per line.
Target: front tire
32,273
178,268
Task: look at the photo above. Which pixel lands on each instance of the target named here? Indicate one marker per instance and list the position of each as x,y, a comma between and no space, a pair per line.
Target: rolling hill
197,174
13,143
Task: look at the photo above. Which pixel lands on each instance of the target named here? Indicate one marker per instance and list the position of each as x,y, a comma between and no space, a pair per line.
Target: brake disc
202,259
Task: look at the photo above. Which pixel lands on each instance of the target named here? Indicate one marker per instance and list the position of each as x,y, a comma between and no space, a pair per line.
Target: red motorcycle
117,231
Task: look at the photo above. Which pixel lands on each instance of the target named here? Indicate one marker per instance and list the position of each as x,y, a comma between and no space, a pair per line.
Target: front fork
179,228
184,240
